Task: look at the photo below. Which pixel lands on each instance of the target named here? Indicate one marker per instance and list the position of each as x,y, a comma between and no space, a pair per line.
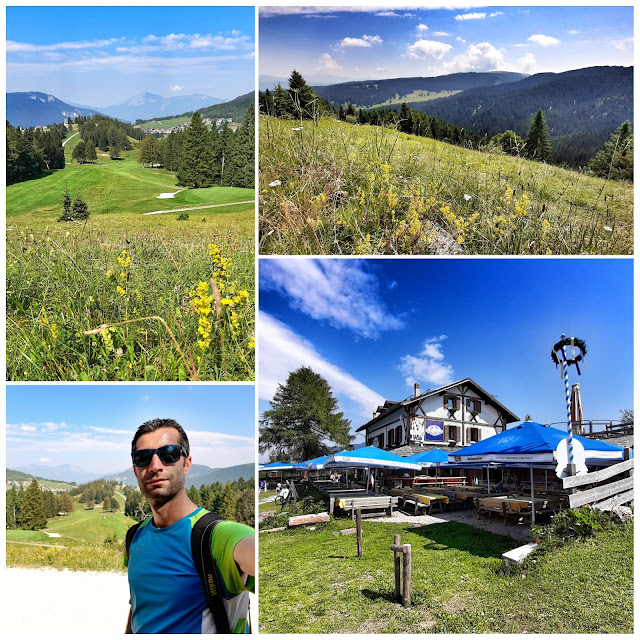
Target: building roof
389,406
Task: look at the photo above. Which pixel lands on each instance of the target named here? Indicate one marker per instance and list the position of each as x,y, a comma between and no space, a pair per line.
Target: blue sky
334,44
91,426
100,56
374,327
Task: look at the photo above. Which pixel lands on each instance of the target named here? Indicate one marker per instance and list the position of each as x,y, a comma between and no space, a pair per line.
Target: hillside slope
586,104
347,189
368,93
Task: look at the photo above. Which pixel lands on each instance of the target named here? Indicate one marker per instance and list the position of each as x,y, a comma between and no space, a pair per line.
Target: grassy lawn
345,189
312,582
167,123
415,96
120,186
267,506
80,545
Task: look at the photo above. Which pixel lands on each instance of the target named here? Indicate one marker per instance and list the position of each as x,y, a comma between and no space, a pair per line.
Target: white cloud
25,47
471,16
326,63
478,57
527,63
573,32
422,27
428,49
365,41
36,427
283,351
428,366
109,431
440,34
459,39
544,41
45,460
622,44
496,13
379,68
342,292
176,87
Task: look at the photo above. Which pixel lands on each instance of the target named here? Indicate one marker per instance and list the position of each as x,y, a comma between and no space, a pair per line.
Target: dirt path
204,206
69,138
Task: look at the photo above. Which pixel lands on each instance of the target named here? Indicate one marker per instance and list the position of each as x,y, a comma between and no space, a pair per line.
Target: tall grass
87,303
337,188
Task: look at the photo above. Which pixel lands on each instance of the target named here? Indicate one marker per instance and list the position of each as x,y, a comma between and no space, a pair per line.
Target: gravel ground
93,603
518,532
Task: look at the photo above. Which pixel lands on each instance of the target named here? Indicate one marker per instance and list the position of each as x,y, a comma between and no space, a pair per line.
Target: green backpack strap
201,537
131,532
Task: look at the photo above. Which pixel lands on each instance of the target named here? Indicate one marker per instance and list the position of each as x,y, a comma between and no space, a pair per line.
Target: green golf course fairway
112,187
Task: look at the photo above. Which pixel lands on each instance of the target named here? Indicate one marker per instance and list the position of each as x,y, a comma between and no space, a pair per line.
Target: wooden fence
608,491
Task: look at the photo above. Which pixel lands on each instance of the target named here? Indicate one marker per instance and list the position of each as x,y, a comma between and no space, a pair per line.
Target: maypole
559,356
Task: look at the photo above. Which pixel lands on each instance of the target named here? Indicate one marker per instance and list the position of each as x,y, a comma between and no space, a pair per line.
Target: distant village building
452,416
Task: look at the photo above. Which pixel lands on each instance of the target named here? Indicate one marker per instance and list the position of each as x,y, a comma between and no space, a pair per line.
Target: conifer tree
302,95
66,205
197,163
32,513
243,152
12,510
66,503
538,143
616,159
80,210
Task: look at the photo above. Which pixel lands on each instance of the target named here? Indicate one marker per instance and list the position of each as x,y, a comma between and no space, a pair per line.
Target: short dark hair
161,423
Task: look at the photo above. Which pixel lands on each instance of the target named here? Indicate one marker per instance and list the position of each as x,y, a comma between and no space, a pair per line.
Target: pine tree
66,205
66,503
80,210
303,416
194,495
223,154
106,504
616,159
32,514
197,162
301,94
538,143
243,153
79,152
50,505
12,510
90,151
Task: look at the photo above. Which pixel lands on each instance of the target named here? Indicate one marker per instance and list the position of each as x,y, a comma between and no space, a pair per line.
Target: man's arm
244,554
128,629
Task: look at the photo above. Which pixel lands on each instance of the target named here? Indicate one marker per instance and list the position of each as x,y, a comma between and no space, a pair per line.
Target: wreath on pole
576,357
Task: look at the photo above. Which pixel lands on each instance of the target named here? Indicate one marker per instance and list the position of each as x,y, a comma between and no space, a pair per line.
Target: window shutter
468,435
457,402
468,404
445,401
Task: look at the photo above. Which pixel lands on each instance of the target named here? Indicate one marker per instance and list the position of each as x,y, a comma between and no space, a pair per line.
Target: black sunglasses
169,454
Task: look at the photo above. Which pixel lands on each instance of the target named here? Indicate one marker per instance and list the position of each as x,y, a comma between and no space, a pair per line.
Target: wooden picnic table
519,506
424,500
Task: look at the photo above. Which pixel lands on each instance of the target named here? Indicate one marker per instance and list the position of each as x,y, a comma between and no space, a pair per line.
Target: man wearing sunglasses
167,595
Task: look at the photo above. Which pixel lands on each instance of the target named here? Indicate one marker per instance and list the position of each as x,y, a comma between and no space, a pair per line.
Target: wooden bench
419,500
503,507
379,504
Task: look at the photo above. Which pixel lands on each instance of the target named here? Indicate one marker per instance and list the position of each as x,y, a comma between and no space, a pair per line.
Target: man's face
161,482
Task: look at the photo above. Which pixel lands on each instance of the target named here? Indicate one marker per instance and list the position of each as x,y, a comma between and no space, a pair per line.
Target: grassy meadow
81,544
141,284
338,188
458,583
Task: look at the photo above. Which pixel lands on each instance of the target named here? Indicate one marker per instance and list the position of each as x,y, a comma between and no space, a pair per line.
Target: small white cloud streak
527,63
542,40
471,16
339,291
496,13
623,44
428,49
175,87
440,34
326,63
283,351
428,366
365,41
422,27
36,427
26,47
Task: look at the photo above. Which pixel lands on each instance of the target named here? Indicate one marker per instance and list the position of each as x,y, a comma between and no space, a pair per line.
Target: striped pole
565,371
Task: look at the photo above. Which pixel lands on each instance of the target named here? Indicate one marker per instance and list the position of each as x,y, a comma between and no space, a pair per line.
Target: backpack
201,537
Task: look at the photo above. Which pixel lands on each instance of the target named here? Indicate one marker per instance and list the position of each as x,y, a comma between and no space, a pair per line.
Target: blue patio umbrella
431,458
533,443
369,458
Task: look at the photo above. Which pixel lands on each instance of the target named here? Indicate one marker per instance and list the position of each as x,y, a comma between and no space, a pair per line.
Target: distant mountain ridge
198,474
33,108
367,93
146,106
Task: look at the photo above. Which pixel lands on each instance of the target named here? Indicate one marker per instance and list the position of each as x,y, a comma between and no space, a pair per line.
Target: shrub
572,524
183,216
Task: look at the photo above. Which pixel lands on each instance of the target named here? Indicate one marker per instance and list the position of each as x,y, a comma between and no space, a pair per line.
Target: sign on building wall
424,430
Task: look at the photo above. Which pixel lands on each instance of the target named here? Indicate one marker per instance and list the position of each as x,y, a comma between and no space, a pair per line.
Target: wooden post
406,592
396,560
359,531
